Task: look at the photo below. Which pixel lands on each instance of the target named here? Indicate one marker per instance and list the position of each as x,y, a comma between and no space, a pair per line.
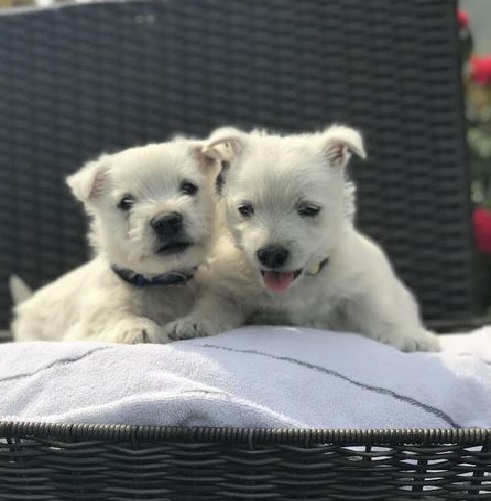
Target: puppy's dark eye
308,210
246,210
126,202
189,188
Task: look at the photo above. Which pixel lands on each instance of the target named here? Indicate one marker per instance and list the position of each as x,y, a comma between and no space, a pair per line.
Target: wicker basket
70,462
80,79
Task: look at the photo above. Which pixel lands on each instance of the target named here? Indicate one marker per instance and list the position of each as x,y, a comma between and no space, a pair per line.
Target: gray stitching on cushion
54,364
377,389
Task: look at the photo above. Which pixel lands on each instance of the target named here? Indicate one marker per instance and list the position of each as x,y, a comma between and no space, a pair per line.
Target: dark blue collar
170,278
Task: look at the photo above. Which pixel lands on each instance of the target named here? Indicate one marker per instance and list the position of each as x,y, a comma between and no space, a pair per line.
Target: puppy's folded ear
89,182
340,142
225,144
207,163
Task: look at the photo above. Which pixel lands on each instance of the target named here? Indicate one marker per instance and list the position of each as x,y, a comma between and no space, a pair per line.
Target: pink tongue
278,282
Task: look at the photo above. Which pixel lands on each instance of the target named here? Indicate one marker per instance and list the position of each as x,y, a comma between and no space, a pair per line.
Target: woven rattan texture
60,462
78,80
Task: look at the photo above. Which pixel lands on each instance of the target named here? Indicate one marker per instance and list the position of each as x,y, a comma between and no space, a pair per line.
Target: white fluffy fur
92,302
357,291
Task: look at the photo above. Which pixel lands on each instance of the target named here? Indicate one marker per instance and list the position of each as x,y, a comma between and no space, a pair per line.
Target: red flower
463,18
482,229
481,69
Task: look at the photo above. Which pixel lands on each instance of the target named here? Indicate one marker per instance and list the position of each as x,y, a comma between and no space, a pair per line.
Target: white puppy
299,260
153,222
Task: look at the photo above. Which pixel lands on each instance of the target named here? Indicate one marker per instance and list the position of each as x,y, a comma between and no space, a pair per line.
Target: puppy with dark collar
153,222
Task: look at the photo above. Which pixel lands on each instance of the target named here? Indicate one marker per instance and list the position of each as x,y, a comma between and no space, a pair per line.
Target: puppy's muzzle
273,256
169,225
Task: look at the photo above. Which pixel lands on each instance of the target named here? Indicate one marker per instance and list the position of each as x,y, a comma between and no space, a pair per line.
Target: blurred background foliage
476,74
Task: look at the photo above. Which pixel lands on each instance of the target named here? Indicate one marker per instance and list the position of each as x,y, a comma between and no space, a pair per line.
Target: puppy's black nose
168,225
272,256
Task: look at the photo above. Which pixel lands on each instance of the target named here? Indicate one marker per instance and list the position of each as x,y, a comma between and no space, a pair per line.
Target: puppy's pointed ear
90,181
340,143
225,144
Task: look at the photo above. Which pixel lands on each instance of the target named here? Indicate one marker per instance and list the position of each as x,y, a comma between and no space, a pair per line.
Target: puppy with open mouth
294,255
153,221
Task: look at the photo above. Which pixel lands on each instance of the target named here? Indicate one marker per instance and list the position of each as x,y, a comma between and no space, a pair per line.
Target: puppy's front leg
376,303
134,330
391,317
116,325
212,314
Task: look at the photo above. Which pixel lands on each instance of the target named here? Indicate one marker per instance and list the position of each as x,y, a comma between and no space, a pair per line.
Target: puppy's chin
170,258
173,249
159,260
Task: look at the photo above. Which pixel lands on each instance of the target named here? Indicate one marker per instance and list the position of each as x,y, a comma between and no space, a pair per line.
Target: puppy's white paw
189,328
136,331
421,340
